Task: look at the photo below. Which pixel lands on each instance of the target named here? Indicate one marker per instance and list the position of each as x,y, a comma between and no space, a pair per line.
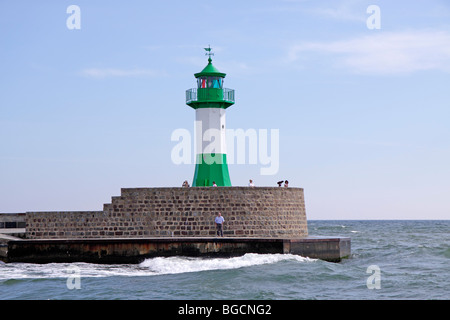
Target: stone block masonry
181,212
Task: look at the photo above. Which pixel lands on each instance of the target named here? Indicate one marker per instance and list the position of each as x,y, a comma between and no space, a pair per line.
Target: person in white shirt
219,220
251,184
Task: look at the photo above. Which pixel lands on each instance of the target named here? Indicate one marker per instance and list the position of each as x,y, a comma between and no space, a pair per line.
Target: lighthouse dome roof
210,70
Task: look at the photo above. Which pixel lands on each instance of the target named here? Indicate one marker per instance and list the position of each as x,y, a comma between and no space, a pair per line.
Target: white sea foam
149,267
64,270
183,264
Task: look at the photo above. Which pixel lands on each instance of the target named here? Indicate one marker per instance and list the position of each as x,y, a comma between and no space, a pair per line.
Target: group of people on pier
250,183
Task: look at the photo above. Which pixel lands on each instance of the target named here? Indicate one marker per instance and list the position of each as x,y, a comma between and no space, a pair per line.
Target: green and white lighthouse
210,100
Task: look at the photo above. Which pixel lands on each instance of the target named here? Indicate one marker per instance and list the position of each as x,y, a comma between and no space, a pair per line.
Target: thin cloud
111,72
383,53
345,10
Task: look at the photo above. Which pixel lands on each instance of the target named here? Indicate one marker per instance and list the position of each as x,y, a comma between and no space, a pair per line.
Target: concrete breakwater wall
181,212
135,250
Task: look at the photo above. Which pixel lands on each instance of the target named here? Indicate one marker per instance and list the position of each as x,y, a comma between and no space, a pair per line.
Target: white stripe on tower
210,131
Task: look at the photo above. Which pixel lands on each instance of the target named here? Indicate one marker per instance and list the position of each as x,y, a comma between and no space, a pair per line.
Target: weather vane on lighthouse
210,99
209,53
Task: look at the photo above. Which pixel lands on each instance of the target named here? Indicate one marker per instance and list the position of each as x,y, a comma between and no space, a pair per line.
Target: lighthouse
210,100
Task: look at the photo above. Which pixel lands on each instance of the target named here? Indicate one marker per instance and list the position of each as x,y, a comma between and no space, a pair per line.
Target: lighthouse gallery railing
209,94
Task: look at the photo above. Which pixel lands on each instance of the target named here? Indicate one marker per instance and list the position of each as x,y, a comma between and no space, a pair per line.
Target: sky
360,97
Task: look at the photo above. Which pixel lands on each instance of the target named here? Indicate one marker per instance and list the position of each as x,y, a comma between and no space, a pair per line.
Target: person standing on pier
219,224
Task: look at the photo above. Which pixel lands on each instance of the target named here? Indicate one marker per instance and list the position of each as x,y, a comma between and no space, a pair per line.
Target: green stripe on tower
211,168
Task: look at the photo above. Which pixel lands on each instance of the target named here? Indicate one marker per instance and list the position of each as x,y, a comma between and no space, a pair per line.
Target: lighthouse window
201,82
216,83
210,82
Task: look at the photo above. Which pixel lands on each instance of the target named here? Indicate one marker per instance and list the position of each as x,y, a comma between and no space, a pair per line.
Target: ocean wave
27,271
149,267
172,265
446,253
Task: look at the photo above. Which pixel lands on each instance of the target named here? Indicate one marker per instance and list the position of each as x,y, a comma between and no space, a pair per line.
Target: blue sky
363,114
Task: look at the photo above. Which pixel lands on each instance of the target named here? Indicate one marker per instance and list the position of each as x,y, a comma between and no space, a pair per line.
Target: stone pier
148,222
181,212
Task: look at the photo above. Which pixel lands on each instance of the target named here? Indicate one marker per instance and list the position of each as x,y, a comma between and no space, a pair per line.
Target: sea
390,260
